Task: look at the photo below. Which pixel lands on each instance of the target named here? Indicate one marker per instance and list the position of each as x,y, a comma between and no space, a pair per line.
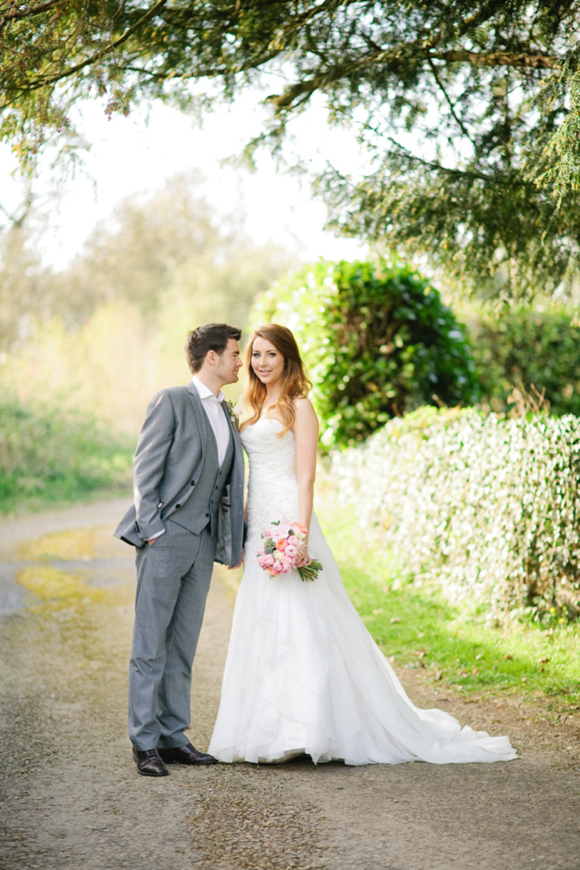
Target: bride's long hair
294,384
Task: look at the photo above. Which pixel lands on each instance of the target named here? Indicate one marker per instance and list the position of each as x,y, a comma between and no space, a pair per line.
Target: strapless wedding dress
303,675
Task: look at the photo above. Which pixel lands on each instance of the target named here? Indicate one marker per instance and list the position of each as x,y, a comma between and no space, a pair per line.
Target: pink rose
278,567
291,551
267,560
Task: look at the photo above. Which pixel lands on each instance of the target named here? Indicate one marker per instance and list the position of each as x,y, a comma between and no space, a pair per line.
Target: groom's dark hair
210,336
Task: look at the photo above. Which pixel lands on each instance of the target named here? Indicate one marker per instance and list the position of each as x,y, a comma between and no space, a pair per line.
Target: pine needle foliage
467,113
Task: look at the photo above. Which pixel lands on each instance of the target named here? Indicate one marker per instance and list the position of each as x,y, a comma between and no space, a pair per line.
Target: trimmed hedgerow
377,341
487,508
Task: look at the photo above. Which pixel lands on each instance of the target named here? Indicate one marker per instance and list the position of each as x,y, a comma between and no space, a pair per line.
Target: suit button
207,515
193,482
177,506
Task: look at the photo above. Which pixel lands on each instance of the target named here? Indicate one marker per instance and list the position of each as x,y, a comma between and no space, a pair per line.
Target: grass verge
416,626
50,457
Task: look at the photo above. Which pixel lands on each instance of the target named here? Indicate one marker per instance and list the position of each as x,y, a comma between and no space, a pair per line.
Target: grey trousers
173,577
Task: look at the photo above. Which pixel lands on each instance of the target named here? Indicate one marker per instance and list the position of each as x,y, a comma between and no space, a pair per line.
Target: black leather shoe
186,755
149,763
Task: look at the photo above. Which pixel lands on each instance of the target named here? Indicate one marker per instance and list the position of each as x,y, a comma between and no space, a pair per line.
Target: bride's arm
305,430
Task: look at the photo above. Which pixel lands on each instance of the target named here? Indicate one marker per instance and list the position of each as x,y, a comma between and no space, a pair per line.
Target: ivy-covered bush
487,508
377,341
526,348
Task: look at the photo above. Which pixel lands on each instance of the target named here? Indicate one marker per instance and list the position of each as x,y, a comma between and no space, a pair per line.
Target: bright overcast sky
128,155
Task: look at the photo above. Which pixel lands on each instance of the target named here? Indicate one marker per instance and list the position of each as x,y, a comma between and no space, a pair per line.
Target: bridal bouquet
278,553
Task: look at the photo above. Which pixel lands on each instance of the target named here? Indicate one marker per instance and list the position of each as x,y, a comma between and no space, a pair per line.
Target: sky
139,152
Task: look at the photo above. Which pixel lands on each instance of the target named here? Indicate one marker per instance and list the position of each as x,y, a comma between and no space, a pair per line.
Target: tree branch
431,164
49,80
449,102
286,100
20,13
519,60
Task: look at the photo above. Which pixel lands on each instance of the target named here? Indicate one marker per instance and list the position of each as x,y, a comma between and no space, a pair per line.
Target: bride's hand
303,559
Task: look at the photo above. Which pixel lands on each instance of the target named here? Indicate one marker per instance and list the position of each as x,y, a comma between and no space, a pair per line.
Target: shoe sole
190,763
148,773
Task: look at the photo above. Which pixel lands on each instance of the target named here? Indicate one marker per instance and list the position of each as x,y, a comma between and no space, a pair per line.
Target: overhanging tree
468,111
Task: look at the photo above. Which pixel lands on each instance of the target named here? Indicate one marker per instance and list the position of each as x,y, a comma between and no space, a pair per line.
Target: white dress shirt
212,405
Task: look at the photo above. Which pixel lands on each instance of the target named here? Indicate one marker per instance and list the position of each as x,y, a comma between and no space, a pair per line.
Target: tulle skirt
303,675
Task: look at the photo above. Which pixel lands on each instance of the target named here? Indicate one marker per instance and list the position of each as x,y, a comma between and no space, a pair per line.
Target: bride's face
267,362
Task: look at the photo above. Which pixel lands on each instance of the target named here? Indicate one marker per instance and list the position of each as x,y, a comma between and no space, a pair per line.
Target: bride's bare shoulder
305,413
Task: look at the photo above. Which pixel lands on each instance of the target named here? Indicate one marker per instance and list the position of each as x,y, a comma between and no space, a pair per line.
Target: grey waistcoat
208,488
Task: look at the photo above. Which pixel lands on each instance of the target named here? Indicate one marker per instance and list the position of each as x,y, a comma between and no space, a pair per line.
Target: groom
188,513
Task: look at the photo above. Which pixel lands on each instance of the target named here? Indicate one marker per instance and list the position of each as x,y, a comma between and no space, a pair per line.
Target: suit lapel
199,414
228,418
235,435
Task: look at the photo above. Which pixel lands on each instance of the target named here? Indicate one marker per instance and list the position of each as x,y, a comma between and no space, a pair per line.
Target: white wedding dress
302,674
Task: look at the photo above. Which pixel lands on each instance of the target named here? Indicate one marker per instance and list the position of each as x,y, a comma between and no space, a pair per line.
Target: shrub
487,508
377,340
51,454
522,347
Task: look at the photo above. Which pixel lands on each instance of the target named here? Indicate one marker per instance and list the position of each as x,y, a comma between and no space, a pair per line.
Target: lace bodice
273,486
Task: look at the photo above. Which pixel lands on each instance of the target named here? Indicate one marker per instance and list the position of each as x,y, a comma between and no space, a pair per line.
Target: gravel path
71,797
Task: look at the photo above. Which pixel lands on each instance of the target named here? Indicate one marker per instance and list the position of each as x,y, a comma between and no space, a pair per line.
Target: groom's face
229,363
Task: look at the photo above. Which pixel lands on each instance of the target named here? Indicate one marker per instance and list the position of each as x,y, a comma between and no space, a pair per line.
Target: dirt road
71,799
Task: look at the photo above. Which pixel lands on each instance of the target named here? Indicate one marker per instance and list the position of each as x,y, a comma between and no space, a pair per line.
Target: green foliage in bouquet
486,508
377,341
533,351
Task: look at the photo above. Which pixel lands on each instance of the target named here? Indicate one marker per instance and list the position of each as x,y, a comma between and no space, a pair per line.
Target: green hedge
487,508
377,341
48,454
522,347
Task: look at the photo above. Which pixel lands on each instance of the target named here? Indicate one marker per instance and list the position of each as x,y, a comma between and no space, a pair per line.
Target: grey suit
179,489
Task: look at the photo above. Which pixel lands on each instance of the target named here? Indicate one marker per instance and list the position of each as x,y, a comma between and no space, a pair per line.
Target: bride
302,673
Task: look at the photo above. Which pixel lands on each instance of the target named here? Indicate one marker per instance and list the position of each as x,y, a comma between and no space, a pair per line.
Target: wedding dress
303,675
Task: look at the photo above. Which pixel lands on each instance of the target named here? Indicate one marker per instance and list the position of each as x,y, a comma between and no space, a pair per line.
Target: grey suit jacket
168,460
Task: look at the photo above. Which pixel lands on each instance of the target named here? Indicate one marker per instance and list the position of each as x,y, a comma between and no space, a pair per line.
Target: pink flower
281,544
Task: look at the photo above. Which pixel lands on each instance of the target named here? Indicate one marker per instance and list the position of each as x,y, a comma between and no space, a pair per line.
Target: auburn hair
295,384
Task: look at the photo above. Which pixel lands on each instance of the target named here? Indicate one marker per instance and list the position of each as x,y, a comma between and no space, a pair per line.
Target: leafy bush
377,341
522,347
487,508
47,454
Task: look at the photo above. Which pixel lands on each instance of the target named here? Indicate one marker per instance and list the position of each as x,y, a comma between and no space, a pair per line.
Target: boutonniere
230,407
